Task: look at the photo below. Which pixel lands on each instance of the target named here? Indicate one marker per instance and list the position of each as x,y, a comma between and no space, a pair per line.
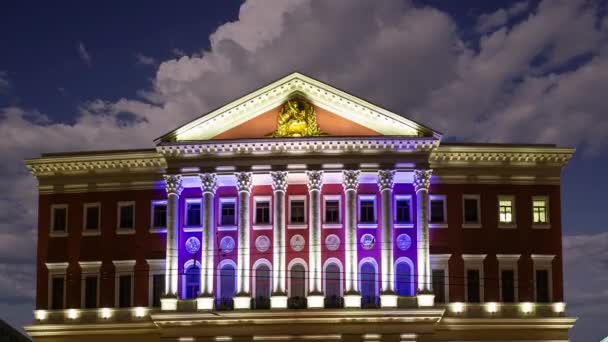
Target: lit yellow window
539,211
505,211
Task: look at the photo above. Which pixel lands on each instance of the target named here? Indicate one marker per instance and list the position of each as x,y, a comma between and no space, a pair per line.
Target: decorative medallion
262,243
297,118
193,244
404,242
297,242
227,244
332,242
368,241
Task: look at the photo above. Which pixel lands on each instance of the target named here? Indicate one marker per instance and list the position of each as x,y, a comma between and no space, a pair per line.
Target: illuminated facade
300,212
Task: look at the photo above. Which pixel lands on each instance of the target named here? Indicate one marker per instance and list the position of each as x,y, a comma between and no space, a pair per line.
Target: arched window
333,281
191,280
367,275
263,278
297,277
404,280
227,284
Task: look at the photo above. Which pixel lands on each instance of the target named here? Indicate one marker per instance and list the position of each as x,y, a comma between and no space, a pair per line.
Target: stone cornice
500,156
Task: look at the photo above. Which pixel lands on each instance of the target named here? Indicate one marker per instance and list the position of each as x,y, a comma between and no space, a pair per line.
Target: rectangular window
471,210
193,214
262,212
438,209
403,210
91,217
507,279
57,292
124,291
367,212
126,213
158,288
159,215
59,218
332,211
297,212
542,286
438,278
90,292
505,210
227,217
473,290
540,210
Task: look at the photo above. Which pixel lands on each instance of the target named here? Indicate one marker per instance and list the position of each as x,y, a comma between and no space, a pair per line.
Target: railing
260,303
297,303
334,302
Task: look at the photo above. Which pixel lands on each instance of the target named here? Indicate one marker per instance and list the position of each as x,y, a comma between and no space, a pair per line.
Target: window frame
123,268
543,262
55,270
374,199
332,225
119,229
442,262
477,198
513,223
397,224
261,226
89,269
155,267
508,262
85,214
290,224
227,227
542,225
52,231
187,265
474,262
154,229
444,198
410,264
186,226
292,263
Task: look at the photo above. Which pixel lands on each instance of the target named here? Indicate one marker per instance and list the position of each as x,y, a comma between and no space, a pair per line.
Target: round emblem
227,244
332,242
404,242
368,241
193,245
297,242
262,243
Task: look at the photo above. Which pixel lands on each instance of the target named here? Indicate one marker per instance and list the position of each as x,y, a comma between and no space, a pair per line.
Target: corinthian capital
315,180
385,179
350,179
422,179
208,182
244,181
173,184
279,180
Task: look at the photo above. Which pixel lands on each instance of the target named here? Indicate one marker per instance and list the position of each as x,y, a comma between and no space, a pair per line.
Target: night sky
106,75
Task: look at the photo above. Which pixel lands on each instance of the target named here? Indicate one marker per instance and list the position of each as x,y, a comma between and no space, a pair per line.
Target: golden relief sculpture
297,118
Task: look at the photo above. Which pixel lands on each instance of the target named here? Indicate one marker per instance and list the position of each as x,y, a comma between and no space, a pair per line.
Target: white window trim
408,261
442,262
474,262
187,265
367,197
543,262
220,226
443,224
56,269
292,263
256,265
473,224
297,225
338,263
375,263
262,226
87,269
508,262
157,229
513,223
52,232
90,232
546,225
122,268
399,225
156,266
186,227
124,231
332,225
220,265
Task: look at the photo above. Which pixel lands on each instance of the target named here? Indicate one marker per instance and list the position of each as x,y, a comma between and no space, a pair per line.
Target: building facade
299,212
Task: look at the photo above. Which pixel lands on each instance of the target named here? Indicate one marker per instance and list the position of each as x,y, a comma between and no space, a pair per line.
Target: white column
208,187
278,299
242,300
352,296
173,184
315,297
388,297
422,181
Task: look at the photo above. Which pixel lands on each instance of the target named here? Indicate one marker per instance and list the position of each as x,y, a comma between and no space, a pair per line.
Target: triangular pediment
337,113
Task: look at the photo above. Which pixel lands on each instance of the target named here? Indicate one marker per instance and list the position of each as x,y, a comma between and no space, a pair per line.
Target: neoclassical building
300,212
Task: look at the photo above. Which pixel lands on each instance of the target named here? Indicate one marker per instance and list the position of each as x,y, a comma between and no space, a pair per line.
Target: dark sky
95,75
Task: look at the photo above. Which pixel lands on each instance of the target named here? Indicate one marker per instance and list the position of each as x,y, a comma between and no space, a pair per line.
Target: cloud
178,52
144,60
490,21
5,85
85,56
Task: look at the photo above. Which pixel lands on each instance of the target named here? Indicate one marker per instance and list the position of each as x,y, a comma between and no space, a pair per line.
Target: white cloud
85,56
178,52
489,21
144,60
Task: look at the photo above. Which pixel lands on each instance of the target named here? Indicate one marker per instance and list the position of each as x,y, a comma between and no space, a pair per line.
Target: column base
352,300
388,300
242,302
278,302
205,302
168,303
425,299
316,301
